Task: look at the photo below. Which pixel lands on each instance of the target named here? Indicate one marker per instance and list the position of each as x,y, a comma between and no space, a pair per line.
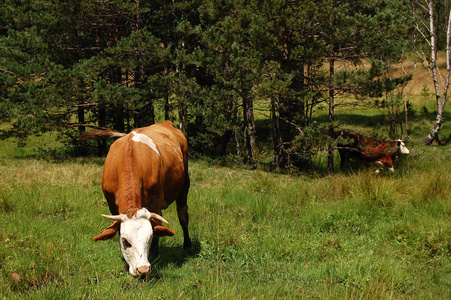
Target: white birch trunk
435,73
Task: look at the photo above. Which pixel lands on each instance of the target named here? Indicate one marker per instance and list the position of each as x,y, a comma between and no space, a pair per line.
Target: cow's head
402,147
135,235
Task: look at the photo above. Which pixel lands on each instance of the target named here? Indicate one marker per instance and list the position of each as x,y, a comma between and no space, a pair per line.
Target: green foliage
65,65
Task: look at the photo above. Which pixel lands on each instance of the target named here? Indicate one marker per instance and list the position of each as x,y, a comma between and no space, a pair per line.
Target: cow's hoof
187,244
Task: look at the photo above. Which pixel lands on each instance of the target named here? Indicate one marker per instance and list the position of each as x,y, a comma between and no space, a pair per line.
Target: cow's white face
135,236
402,147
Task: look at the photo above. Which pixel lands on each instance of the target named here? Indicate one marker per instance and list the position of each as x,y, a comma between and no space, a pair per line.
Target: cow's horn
114,218
158,217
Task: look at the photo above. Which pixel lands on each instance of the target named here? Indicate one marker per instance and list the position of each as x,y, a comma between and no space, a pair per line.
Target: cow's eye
126,243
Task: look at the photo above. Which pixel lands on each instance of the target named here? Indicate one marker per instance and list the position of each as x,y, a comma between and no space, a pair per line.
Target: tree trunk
101,144
438,123
285,135
166,92
183,116
330,150
81,119
237,143
434,70
275,136
249,127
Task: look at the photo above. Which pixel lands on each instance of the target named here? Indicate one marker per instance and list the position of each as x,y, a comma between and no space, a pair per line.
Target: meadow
256,234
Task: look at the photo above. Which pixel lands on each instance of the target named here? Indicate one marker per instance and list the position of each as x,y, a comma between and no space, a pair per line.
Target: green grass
257,235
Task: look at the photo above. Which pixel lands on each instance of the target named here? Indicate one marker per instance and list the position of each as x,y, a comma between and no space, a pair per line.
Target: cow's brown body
141,175
378,151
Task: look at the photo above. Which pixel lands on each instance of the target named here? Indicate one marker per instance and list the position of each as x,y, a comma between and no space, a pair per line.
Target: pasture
256,235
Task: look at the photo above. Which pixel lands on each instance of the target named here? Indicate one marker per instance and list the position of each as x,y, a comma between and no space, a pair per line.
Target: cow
380,152
144,172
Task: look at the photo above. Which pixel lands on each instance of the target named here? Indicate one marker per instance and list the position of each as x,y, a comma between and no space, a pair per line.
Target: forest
233,75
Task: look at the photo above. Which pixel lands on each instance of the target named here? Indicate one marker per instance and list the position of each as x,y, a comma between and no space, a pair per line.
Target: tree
237,70
426,27
25,59
284,33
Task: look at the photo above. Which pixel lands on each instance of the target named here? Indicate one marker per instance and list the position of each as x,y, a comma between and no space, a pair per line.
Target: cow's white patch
402,147
380,166
142,138
135,236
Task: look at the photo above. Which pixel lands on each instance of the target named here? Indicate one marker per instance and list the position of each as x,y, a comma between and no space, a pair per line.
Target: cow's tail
98,134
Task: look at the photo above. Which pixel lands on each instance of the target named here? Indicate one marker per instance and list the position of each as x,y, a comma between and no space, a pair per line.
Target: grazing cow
380,152
144,172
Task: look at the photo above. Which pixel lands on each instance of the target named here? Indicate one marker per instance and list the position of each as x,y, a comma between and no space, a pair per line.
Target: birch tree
426,27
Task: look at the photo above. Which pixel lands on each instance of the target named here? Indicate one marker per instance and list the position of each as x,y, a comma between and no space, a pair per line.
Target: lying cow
380,152
144,172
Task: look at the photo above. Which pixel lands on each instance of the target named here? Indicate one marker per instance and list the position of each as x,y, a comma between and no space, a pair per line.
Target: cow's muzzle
143,270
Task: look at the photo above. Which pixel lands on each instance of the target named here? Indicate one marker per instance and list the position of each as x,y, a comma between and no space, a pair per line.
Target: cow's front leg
379,165
154,247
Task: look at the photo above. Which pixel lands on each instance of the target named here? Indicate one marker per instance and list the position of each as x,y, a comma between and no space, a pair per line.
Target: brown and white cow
144,172
380,152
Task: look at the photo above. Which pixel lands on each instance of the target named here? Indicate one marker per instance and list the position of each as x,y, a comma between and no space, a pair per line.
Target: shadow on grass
169,256
177,255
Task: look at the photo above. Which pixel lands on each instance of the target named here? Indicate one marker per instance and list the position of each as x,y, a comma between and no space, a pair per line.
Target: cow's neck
129,199
129,195
130,208
131,211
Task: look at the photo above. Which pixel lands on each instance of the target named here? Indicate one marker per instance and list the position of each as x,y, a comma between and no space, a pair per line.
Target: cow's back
173,169
146,168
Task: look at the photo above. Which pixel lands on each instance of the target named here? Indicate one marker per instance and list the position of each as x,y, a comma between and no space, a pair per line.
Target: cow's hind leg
182,212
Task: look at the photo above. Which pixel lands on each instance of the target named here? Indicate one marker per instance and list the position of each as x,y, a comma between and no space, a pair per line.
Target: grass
257,235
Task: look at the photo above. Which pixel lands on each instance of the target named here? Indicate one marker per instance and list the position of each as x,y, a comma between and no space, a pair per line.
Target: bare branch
7,72
296,126
422,34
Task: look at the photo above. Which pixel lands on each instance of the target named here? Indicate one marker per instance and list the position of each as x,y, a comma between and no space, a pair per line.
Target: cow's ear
159,231
109,232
